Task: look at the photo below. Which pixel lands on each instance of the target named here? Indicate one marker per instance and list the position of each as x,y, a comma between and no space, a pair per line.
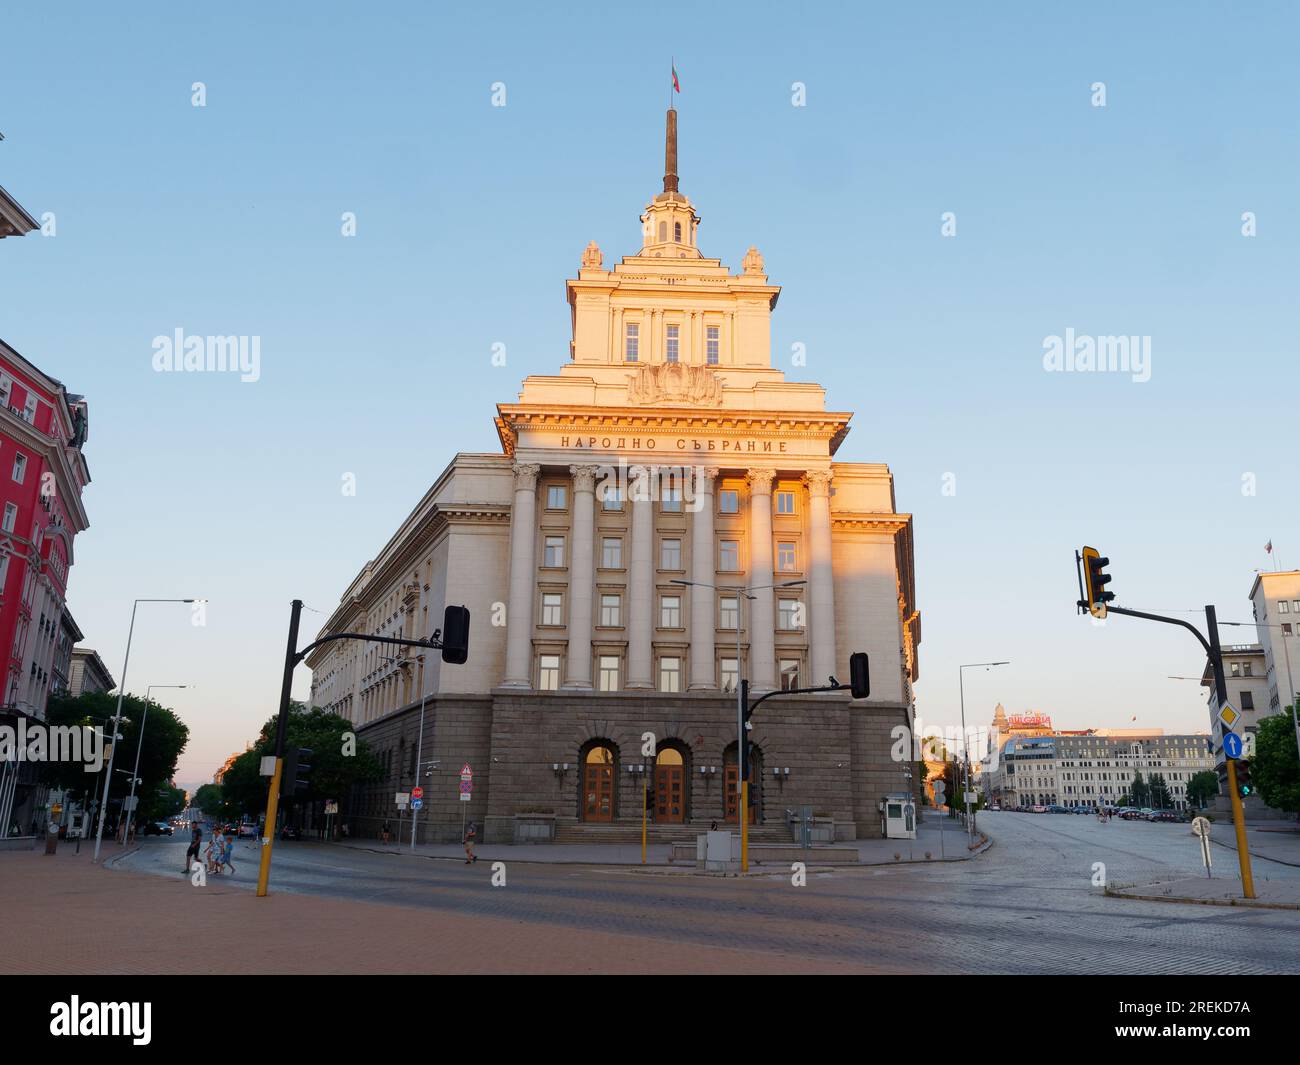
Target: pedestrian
385,831
228,853
470,833
192,852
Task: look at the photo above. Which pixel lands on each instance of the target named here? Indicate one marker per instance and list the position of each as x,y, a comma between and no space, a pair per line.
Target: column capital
526,475
818,482
704,478
760,481
584,478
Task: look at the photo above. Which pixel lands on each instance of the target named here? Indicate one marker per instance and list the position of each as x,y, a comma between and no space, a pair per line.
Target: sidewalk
952,846
66,916
1276,841
1269,894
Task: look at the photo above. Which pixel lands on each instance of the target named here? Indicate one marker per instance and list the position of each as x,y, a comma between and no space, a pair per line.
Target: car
995,806
1168,815
290,832
247,830
1084,810
1038,809
157,828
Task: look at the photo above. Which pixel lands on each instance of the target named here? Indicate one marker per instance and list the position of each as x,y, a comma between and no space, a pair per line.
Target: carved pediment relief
675,383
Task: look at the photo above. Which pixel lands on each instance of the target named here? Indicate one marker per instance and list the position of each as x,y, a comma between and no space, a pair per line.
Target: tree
1139,792
209,799
165,737
1275,768
1202,787
1159,791
163,802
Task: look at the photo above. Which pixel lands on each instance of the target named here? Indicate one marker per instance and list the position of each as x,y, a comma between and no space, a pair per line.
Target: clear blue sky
376,350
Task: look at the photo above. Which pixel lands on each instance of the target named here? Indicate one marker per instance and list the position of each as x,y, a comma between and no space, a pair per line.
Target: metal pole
419,765
139,742
1238,815
112,750
282,727
965,752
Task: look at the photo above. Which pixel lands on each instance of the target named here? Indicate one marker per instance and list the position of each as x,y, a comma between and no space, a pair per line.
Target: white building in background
1275,600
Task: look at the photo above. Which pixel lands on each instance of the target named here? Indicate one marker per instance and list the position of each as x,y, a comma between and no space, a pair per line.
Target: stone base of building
545,762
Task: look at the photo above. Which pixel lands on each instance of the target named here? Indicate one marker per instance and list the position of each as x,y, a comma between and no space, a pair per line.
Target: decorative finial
591,257
670,152
753,262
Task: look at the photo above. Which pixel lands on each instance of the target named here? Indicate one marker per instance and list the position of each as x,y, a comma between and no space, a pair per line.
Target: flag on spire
677,86
1269,547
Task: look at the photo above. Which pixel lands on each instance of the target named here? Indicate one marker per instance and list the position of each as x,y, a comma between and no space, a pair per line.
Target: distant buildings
88,673
1275,599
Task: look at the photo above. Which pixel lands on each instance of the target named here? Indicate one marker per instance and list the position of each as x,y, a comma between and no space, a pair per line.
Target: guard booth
898,816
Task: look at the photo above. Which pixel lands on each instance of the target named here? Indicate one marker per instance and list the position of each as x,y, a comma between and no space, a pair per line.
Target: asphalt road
1029,905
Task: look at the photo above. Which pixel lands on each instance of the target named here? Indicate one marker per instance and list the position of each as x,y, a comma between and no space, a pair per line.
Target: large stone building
665,497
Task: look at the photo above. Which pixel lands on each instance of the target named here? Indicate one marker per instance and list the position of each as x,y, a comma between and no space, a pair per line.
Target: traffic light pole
292,658
1214,654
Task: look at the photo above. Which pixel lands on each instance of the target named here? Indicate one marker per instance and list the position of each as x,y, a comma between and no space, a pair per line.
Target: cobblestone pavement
1027,906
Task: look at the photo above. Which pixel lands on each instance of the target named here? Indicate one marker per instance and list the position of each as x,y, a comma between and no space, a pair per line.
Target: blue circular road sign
1232,745
416,803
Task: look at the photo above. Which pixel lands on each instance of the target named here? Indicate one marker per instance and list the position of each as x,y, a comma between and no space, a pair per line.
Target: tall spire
670,152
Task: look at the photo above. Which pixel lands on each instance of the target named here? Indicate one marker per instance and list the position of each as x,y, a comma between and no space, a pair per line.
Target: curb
1254,904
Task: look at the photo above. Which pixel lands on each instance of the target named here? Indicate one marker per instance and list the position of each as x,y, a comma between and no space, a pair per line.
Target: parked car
1038,809
1168,815
1084,810
995,806
157,828
247,830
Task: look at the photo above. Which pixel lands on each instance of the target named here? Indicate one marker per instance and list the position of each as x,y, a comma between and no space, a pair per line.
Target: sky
376,349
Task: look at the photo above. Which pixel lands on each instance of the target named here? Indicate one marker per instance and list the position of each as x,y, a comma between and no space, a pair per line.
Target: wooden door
733,796
670,795
598,792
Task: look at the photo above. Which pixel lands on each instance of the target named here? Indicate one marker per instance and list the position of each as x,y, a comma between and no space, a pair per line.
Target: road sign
402,799
1200,826
417,793
972,796
466,786
940,791
466,772
1232,745
464,796
1228,715
416,803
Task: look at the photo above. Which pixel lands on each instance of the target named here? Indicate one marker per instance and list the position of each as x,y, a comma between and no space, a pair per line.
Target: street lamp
139,742
965,740
742,814
117,716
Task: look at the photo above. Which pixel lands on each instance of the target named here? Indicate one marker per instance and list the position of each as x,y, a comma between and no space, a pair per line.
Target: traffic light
1095,580
296,773
455,635
1244,786
859,675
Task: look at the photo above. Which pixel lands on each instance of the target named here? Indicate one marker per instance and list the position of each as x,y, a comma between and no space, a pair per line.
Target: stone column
523,578
640,607
703,572
821,637
582,575
762,616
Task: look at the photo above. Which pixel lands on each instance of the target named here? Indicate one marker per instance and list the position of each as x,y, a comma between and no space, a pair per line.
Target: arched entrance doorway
731,793
672,776
599,775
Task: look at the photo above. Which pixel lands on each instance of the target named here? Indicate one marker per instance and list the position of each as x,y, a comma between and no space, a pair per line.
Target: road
1027,906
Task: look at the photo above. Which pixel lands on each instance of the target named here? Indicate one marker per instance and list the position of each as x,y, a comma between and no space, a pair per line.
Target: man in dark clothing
196,837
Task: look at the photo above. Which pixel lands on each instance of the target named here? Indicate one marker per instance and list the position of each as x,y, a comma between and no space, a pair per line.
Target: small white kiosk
898,816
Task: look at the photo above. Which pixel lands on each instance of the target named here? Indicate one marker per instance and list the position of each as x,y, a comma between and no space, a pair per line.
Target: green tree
165,737
1159,792
1275,769
209,799
1202,787
1139,792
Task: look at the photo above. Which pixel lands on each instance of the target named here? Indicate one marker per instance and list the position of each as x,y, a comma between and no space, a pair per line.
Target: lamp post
117,716
139,742
965,740
742,783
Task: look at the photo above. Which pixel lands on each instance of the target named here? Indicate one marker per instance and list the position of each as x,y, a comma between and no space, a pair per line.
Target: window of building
607,674
1282,606
1236,669
611,552
670,347
670,497
611,610
729,501
785,502
552,608
1247,701
663,232
1296,604
557,497
1248,670
611,498
548,673
677,232
789,670
785,557
711,344
20,467
729,612
729,675
670,553
29,409
670,674
670,612
789,614
633,341
6,384
554,554
729,555
1286,628
11,517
